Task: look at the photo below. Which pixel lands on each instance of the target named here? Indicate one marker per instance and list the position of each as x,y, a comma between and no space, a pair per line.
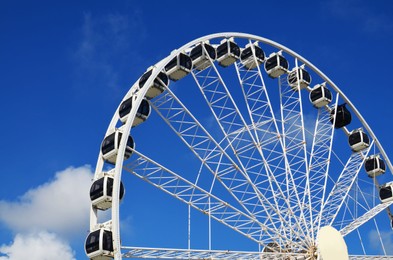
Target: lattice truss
157,253
275,170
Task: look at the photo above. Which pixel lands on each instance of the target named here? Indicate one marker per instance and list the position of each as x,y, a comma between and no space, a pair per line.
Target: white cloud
36,246
61,205
367,18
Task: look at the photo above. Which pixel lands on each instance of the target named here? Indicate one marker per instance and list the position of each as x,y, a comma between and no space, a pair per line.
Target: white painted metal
169,253
336,198
267,206
172,183
319,165
238,134
331,244
262,117
364,218
166,253
213,156
294,148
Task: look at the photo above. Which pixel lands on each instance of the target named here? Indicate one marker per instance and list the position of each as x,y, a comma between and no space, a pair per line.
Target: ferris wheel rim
126,128
159,66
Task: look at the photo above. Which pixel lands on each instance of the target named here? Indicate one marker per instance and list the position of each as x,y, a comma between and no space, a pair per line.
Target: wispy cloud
105,49
360,12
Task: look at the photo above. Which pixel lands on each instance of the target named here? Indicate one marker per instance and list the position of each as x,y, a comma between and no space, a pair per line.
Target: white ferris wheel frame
140,92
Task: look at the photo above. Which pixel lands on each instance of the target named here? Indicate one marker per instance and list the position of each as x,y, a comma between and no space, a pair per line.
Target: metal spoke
319,165
295,150
200,199
364,218
267,134
166,253
213,156
240,138
336,198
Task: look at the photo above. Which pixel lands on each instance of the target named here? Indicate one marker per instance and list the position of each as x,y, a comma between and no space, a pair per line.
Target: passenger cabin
386,192
374,166
110,147
248,59
358,140
228,52
101,192
276,65
320,96
179,67
158,86
99,245
142,113
202,54
340,118
299,78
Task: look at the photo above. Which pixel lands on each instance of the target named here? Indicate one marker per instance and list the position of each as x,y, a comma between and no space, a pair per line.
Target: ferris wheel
256,138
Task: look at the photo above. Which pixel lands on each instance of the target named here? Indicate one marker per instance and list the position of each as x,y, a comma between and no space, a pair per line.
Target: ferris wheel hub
331,244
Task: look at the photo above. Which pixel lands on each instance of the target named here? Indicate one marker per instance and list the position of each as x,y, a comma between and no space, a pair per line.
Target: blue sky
66,66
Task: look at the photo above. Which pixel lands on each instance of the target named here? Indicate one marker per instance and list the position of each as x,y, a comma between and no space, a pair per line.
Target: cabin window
271,63
371,164
234,48
355,138
365,138
107,244
125,107
93,242
108,144
163,77
306,76
342,116
196,52
171,64
316,94
222,49
211,51
144,108
385,193
130,142
382,165
185,61
328,94
97,189
246,53
109,187
144,78
292,78
283,62
259,53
